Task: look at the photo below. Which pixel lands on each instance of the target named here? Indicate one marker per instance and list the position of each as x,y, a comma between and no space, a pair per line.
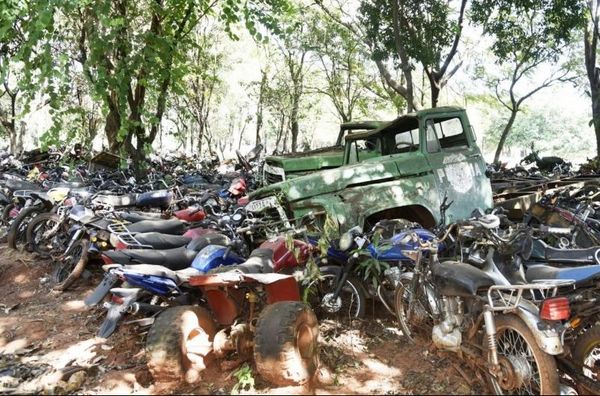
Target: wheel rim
305,341
591,363
520,371
346,305
41,234
21,237
404,288
70,263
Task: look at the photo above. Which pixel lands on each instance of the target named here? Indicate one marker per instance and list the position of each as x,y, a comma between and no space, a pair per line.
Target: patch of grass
245,379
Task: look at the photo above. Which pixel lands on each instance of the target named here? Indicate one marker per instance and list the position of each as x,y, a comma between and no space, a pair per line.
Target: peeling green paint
400,175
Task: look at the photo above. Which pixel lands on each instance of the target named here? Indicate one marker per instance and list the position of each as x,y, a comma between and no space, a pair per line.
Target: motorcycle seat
460,279
134,217
174,259
162,241
259,262
581,275
584,256
69,185
115,200
203,241
155,199
172,226
178,277
21,185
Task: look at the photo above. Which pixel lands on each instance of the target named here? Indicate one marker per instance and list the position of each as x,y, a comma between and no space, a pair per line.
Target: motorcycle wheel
586,354
350,303
5,221
71,268
35,233
286,348
17,233
528,370
177,343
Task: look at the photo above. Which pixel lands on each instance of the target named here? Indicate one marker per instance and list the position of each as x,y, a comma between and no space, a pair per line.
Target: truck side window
433,145
445,133
361,150
406,141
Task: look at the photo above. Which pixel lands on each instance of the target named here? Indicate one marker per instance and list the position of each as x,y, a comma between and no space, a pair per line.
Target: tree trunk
260,106
14,138
434,85
595,94
294,127
505,133
590,43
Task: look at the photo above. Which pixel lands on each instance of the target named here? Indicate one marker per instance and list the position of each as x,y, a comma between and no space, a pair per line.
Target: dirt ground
47,345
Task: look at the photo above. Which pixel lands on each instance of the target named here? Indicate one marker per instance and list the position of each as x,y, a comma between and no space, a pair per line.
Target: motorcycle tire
401,301
37,225
6,213
17,233
516,342
586,351
71,268
178,342
350,304
286,348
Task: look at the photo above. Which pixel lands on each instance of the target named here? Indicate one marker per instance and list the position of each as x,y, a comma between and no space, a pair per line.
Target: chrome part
446,334
490,331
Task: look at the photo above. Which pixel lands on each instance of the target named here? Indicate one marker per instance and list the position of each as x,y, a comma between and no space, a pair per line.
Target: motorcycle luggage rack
507,298
23,193
118,228
131,242
63,211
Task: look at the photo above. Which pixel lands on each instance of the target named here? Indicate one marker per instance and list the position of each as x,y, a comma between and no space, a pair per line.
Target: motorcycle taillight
556,308
116,299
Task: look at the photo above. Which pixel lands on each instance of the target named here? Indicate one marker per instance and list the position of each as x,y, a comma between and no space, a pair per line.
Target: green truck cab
401,170
284,167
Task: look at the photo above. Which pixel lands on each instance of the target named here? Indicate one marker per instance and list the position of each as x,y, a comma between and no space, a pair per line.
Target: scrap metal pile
513,289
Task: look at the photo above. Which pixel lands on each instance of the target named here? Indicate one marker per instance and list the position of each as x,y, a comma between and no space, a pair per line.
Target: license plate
262,204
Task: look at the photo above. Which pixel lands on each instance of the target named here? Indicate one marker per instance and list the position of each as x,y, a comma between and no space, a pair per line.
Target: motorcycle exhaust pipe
145,308
490,331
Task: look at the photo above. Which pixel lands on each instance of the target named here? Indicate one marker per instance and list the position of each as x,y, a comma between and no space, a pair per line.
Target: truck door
457,164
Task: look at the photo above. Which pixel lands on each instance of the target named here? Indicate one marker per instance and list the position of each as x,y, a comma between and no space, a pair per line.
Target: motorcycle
483,308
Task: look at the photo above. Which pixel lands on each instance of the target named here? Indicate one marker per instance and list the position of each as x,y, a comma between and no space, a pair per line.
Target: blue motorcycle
152,288
365,265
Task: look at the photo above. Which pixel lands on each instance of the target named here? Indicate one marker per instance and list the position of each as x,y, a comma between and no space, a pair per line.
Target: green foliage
245,379
553,132
369,267
132,54
528,29
427,28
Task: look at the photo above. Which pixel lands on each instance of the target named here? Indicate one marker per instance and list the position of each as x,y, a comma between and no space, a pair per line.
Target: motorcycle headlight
346,241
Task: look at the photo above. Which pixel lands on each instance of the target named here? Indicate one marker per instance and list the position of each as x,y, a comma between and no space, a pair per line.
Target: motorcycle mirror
527,248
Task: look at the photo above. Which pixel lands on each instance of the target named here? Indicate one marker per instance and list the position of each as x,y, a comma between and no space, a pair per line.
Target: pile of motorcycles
516,299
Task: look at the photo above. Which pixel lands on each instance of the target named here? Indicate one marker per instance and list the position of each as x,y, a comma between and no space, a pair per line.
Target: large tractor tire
178,343
286,348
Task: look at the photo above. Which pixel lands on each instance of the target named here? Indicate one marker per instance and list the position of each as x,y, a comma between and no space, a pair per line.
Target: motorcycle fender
109,280
113,316
117,311
548,340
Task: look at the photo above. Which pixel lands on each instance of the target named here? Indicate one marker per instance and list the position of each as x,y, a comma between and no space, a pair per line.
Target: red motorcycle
252,311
